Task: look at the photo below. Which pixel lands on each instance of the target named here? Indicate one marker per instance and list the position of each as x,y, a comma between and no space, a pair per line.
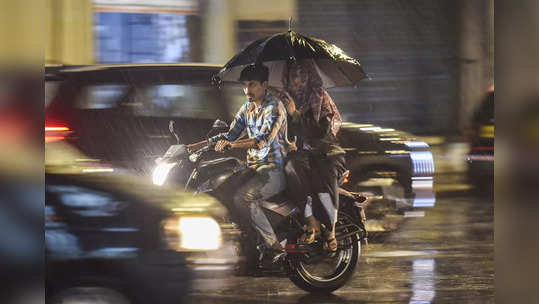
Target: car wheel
90,295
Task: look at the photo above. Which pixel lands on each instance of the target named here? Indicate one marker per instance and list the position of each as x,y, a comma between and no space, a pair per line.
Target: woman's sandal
329,242
312,231
309,236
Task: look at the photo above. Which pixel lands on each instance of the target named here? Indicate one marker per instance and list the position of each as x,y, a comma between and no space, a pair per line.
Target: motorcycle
309,267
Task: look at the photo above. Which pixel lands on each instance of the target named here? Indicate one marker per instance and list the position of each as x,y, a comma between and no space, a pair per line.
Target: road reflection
423,278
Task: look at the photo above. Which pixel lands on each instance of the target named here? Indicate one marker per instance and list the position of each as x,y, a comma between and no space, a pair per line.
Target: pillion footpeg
298,248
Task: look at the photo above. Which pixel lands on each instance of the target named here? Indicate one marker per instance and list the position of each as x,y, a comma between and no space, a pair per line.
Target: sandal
311,232
330,242
308,236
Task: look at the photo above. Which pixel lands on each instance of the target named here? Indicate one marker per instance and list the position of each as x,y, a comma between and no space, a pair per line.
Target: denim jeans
268,181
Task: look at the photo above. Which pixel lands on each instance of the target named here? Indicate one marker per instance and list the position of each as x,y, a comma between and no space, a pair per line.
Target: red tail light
56,129
346,177
483,148
55,132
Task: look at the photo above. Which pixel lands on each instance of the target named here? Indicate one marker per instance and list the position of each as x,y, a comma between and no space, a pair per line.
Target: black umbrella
334,66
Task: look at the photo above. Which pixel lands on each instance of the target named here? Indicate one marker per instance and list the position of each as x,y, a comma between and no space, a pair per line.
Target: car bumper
169,276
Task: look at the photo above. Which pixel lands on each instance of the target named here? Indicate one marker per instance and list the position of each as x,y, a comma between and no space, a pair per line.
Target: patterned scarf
311,95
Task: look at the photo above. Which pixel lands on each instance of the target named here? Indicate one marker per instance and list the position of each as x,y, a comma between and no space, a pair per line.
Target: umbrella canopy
334,66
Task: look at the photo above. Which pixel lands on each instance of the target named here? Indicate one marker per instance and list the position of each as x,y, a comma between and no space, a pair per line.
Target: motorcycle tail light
345,177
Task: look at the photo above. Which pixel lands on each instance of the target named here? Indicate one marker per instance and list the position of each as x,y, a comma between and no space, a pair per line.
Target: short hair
255,72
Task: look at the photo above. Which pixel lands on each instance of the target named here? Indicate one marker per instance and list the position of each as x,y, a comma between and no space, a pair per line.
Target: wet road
445,257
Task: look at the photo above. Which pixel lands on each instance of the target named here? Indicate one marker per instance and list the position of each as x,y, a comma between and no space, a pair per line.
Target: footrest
297,248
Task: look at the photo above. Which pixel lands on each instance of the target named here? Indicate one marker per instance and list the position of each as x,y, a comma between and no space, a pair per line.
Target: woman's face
295,80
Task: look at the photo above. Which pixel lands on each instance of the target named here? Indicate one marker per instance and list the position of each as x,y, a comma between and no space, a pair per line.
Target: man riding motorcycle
262,118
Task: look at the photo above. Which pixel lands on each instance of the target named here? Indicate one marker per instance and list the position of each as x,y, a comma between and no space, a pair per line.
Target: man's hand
292,147
196,146
289,103
222,145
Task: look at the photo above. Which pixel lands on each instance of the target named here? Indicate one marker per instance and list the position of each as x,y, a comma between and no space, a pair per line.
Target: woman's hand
289,103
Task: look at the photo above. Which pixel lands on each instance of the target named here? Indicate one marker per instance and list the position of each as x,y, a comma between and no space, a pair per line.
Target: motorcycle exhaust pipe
340,237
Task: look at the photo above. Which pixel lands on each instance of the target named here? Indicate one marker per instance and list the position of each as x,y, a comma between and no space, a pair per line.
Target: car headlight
160,173
192,233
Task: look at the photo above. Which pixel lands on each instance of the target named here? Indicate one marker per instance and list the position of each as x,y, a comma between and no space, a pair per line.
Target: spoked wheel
322,271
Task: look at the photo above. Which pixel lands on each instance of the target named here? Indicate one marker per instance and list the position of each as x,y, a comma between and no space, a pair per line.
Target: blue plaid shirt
266,124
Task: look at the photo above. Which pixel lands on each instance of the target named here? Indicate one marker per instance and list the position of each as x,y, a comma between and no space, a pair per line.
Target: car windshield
177,100
156,100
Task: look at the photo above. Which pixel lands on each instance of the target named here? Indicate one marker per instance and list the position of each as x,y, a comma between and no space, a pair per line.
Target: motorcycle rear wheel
345,259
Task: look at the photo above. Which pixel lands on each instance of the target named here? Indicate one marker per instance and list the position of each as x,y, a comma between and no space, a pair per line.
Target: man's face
254,90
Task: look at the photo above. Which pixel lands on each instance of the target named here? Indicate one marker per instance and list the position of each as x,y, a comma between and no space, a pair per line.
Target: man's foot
277,253
311,232
279,257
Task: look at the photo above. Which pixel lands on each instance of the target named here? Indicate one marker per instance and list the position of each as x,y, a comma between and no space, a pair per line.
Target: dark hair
255,72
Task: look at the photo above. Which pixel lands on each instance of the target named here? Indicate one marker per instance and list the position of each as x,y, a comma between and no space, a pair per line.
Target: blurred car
480,159
113,238
393,165
120,113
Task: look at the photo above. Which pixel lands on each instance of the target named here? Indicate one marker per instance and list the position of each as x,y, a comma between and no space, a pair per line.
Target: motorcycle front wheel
328,271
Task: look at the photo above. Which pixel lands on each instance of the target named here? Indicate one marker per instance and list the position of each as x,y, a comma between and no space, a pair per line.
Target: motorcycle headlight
192,233
193,157
160,173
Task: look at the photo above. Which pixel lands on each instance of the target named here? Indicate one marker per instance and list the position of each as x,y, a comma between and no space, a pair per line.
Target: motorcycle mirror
219,124
172,129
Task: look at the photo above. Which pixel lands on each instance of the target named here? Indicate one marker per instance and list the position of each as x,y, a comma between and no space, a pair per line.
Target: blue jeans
268,181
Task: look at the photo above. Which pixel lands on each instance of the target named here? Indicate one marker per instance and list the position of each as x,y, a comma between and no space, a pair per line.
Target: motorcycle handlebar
196,155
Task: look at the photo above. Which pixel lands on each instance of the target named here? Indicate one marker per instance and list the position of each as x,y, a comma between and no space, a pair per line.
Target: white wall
220,17
69,37
264,10
21,32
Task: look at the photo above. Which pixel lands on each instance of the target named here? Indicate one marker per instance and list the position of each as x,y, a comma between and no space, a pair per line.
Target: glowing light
424,202
56,129
93,170
53,138
199,233
416,144
160,173
481,157
486,131
370,129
